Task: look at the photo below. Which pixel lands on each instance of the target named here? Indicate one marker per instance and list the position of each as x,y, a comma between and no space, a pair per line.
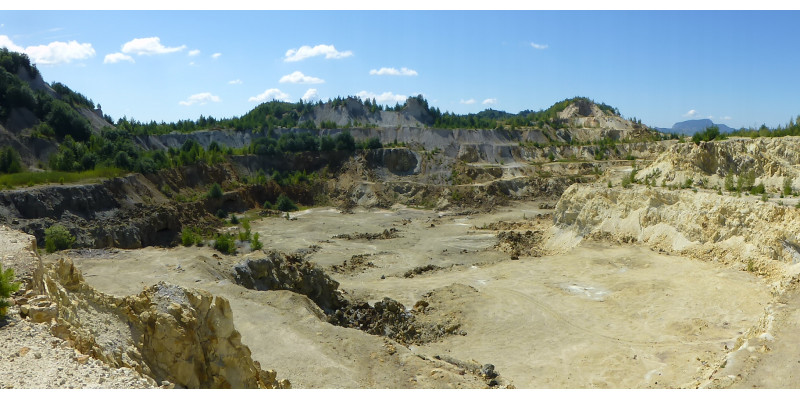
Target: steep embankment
770,160
741,232
167,333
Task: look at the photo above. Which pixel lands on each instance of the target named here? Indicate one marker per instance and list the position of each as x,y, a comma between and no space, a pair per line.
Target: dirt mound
358,263
421,270
390,233
518,244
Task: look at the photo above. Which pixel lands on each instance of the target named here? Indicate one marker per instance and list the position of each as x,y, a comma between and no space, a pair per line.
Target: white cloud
270,94
191,63
727,118
114,58
235,82
329,51
470,101
193,53
298,77
385,97
53,52
216,55
148,47
311,95
6,42
690,113
393,71
538,46
489,101
200,98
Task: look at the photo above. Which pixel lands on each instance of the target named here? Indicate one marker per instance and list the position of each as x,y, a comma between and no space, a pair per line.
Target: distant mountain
693,126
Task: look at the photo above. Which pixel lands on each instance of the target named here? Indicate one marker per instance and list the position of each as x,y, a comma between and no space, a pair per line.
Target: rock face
738,231
396,161
771,160
19,253
166,332
287,272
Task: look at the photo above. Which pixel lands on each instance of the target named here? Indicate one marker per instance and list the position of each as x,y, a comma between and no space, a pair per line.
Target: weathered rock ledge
166,332
760,237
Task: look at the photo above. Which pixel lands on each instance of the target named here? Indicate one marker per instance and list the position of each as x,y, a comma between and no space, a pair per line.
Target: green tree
66,121
57,238
345,142
225,244
256,243
284,203
9,160
189,236
7,287
215,192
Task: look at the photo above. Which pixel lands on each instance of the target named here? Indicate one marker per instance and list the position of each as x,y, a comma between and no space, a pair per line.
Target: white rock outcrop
704,225
167,332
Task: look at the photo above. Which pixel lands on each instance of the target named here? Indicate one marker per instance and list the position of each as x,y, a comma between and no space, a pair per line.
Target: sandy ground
602,315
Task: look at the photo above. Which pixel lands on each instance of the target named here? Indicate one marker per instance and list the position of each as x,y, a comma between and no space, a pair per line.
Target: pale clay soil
597,316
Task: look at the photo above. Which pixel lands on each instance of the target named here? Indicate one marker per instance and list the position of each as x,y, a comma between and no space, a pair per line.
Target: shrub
190,237
729,185
246,234
256,244
234,220
758,189
268,205
225,244
9,160
286,204
7,287
215,192
787,186
222,214
57,238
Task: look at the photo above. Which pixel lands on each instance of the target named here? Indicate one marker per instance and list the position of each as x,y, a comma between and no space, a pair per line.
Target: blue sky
740,68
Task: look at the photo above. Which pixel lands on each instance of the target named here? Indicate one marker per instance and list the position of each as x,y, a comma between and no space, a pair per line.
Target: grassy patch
38,178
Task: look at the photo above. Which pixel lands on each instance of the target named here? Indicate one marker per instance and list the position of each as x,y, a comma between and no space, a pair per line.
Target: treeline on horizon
279,114
59,117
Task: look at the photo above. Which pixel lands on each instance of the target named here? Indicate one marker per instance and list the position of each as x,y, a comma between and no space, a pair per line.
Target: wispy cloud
193,53
538,46
148,47
270,94
727,118
299,77
311,95
470,101
235,82
329,51
114,58
52,53
393,71
216,55
690,113
489,101
385,97
200,98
